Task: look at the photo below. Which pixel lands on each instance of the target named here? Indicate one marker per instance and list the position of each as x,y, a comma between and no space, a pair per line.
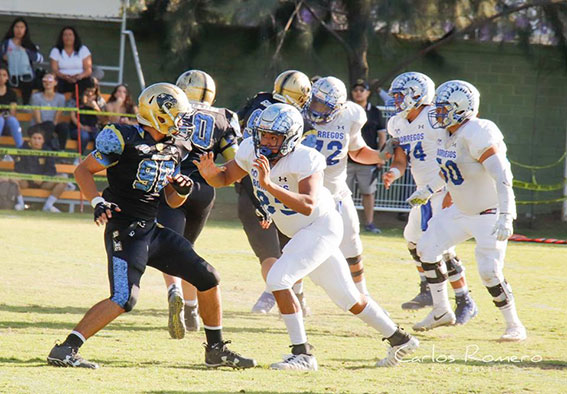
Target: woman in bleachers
50,121
8,120
88,100
71,61
20,53
120,101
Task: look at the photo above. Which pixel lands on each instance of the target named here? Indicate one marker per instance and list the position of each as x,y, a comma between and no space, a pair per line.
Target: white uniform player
412,94
337,124
473,161
288,179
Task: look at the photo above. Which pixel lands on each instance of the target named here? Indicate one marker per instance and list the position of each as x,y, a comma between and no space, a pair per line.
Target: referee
374,133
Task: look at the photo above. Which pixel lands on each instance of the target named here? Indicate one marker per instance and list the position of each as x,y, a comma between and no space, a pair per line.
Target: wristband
95,201
396,172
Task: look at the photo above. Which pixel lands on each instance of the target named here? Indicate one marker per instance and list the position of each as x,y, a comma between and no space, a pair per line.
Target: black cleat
466,309
218,355
66,356
421,300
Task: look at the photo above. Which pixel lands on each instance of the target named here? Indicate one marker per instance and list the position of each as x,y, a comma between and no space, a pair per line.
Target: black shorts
130,246
190,218
265,243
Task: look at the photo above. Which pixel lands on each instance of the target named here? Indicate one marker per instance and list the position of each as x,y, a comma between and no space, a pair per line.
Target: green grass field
53,270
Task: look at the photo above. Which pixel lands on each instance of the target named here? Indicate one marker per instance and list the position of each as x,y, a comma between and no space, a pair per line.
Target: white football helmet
281,119
408,91
455,101
328,95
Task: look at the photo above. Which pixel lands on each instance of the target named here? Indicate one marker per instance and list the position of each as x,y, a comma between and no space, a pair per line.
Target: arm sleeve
499,169
358,120
109,146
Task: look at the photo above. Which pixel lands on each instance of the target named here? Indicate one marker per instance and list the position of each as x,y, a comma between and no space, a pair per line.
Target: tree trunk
358,14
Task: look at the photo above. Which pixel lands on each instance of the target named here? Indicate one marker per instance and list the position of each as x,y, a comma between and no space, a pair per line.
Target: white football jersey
419,141
335,139
472,188
287,173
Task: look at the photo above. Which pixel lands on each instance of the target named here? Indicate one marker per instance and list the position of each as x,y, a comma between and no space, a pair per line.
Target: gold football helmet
198,86
162,106
292,87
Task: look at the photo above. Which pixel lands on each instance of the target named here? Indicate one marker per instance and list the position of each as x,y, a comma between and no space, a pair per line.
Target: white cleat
397,353
514,334
436,318
297,362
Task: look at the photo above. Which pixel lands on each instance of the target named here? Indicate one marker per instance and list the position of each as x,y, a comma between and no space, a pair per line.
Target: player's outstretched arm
304,201
218,176
367,155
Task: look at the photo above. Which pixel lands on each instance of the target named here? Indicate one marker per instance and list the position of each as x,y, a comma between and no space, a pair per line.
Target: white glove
503,228
420,196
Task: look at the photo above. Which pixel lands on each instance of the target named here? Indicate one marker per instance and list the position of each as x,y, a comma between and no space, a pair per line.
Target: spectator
8,120
40,166
89,123
374,133
20,53
50,120
120,101
71,61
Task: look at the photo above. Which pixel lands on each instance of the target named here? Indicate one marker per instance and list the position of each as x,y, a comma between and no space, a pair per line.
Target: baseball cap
362,83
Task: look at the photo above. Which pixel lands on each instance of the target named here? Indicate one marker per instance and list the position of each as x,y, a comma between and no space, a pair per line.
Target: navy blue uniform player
216,130
291,87
143,162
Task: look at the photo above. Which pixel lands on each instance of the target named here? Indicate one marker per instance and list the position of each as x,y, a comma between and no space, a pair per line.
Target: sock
75,340
20,199
510,315
304,348
461,291
398,338
361,286
440,295
295,327
49,202
297,288
422,275
192,303
213,334
172,287
375,317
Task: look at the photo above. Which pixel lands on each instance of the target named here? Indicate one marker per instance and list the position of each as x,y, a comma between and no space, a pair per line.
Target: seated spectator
40,166
50,120
71,61
8,120
89,123
120,101
20,53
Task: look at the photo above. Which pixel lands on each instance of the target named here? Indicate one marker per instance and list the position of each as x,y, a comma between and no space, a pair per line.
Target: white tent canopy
72,9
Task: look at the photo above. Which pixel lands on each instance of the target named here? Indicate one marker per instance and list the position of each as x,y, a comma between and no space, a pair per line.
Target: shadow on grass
32,362
231,392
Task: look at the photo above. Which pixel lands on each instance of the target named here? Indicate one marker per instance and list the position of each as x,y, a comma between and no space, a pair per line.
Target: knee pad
206,276
129,305
501,294
455,269
435,272
413,252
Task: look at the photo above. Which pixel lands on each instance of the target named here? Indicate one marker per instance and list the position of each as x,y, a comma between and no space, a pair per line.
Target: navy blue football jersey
137,167
215,130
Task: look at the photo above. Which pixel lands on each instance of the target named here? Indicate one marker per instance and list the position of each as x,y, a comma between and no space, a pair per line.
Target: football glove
263,215
182,184
102,207
387,150
420,196
503,228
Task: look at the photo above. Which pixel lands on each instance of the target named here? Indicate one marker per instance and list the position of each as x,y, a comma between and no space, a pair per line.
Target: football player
143,161
291,87
412,95
337,125
288,178
472,155
216,130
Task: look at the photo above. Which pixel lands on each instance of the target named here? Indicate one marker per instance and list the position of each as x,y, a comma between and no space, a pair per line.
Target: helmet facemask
277,120
321,111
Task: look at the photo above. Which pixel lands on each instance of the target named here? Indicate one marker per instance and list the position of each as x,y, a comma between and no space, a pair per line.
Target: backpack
8,194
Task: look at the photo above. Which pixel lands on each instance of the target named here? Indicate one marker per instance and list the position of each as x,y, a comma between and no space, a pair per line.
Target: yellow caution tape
66,109
537,187
37,152
541,167
35,177
556,200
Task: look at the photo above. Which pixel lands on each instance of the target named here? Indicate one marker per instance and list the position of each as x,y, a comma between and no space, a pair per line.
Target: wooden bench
71,145
69,197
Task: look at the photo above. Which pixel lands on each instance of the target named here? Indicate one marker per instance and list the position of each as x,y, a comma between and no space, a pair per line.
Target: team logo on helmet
455,102
408,91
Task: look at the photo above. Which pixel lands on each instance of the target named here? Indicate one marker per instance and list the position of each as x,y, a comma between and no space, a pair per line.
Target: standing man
472,156
143,161
374,134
